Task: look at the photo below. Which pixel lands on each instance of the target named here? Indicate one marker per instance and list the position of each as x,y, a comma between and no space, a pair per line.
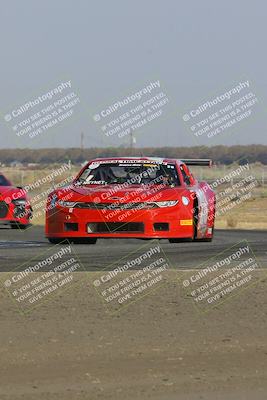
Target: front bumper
169,222
9,213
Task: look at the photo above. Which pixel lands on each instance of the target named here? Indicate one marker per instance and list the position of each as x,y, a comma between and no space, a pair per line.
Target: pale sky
110,49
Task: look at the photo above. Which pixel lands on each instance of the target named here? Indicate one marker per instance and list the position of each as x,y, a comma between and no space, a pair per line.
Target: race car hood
111,193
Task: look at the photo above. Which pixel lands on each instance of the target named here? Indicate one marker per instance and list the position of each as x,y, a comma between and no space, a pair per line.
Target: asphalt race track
161,346
18,247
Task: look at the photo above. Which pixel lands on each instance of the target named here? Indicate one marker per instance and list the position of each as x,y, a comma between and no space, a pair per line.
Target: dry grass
251,214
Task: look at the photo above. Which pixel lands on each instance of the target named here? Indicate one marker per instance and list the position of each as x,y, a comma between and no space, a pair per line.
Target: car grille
115,206
20,212
115,227
3,209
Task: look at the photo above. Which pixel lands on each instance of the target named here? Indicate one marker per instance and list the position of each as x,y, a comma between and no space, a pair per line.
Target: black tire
83,240
14,226
19,226
207,239
203,240
180,240
55,240
72,240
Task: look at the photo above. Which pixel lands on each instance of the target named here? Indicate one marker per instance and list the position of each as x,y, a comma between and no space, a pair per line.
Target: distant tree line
219,154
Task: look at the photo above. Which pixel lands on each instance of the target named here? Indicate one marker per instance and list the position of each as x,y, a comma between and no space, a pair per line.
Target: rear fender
205,199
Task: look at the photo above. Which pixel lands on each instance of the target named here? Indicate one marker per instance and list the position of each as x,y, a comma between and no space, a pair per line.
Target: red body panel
175,221
10,212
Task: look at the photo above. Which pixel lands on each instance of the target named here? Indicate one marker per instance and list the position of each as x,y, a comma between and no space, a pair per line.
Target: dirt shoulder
158,348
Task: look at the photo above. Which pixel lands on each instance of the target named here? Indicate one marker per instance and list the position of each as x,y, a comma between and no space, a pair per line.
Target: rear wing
200,162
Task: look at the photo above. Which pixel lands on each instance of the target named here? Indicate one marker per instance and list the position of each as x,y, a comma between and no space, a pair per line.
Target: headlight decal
170,203
114,206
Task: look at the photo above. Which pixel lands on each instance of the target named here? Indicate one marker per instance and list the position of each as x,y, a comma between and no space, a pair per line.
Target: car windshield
146,173
4,181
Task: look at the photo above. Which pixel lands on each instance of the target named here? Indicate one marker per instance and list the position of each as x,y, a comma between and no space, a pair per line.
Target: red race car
15,208
132,197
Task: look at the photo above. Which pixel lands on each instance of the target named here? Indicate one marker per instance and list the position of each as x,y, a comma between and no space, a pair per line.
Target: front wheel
84,240
19,226
55,240
180,240
72,240
203,240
